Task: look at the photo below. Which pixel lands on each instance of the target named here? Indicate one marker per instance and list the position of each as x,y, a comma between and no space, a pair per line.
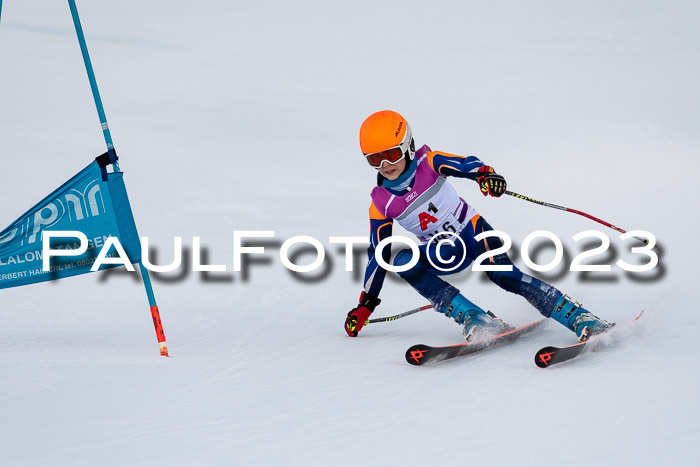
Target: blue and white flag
93,202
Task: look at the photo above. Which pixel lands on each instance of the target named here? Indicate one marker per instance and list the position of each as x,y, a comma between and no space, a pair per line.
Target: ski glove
490,182
358,315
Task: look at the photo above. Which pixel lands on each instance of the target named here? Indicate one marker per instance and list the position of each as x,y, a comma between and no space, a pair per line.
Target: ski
551,355
548,356
419,354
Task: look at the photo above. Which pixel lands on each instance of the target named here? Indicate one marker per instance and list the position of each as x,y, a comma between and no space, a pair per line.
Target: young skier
412,188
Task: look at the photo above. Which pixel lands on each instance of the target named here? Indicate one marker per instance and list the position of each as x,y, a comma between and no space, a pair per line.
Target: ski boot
578,319
476,323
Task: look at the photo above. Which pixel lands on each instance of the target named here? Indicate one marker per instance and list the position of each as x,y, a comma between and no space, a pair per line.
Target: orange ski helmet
386,135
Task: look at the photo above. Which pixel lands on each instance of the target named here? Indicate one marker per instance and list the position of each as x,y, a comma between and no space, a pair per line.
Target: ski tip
544,356
417,354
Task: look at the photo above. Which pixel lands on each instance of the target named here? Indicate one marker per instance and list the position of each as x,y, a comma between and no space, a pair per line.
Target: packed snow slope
237,115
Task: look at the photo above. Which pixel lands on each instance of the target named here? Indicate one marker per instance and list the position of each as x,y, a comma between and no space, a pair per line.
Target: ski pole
400,315
580,213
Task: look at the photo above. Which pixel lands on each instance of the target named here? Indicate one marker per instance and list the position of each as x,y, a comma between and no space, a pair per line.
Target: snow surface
244,115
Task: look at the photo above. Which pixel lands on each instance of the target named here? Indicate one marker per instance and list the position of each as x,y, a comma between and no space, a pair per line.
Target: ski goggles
391,155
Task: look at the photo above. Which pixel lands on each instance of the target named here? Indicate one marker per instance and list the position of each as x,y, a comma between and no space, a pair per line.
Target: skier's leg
423,277
548,300
446,298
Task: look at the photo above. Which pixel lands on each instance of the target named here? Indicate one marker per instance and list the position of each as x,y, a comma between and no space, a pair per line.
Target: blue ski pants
424,276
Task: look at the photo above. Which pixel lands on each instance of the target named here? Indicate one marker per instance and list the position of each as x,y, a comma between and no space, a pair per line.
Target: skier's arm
380,228
470,167
451,165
